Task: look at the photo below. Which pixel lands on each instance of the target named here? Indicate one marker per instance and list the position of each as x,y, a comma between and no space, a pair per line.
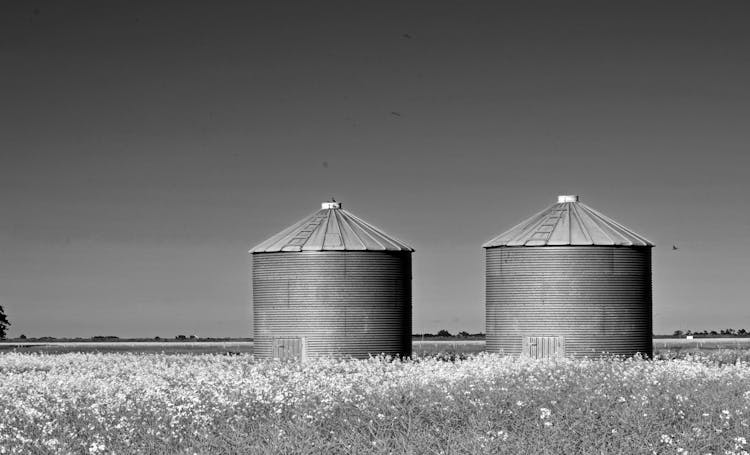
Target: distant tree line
440,334
113,338
446,334
3,323
741,333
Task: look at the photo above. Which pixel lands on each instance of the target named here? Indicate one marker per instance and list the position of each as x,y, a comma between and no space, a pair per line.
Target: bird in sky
674,247
406,35
397,114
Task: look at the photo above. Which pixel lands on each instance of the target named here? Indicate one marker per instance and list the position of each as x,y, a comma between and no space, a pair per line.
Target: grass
154,403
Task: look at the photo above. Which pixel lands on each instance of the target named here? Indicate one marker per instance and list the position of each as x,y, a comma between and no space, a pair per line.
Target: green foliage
3,323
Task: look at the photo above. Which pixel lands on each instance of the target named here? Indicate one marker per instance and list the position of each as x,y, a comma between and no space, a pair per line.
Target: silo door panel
289,348
544,347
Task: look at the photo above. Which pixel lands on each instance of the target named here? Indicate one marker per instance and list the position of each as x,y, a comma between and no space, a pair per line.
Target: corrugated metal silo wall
346,303
597,297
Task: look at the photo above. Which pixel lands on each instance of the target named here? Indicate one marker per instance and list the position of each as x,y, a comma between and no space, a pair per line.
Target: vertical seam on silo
364,226
622,228
530,228
282,236
323,231
601,225
557,221
398,243
354,231
322,227
584,230
335,217
518,230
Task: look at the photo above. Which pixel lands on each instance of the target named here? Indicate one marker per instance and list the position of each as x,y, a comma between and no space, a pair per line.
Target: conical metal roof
331,229
569,222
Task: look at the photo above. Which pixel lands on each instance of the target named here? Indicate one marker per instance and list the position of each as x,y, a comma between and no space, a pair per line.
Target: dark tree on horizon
3,323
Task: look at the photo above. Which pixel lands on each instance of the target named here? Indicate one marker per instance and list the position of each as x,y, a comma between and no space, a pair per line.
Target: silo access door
290,348
543,347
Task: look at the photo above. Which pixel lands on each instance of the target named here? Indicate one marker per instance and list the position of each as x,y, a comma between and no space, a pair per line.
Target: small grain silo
569,281
331,285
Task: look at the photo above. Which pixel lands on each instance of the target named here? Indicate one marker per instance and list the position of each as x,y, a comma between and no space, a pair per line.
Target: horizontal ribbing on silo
597,297
345,303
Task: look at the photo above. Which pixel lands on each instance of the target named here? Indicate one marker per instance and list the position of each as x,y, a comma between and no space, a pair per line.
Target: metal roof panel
331,229
568,222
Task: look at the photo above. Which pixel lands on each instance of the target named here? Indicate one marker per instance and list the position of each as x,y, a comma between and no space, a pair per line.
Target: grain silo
331,285
569,281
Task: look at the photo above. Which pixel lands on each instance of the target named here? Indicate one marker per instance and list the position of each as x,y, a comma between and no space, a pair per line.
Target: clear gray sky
146,146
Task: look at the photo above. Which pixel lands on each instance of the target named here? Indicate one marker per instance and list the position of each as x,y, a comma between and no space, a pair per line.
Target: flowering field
185,404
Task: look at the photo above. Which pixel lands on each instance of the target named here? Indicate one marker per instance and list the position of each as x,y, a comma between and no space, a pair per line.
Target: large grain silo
569,281
331,285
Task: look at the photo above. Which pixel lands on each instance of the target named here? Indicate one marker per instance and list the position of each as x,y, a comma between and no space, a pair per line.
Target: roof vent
567,198
330,205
